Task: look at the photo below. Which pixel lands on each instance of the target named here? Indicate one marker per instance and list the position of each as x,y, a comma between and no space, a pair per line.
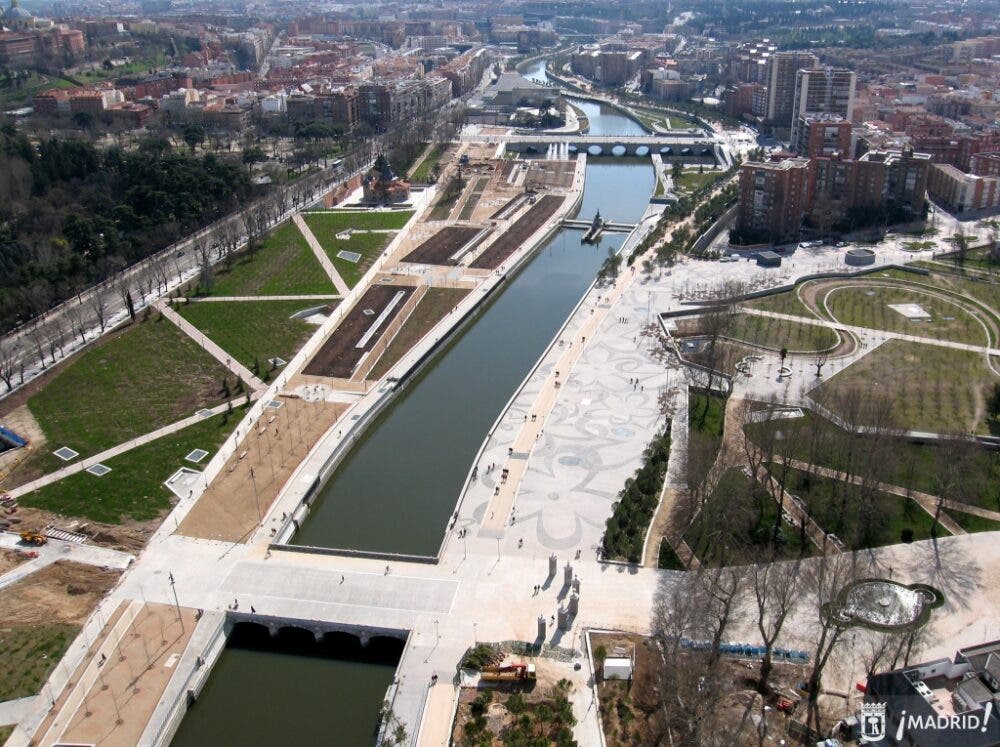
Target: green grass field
433,307
134,489
782,303
30,653
12,97
470,204
972,523
781,333
283,266
691,181
706,420
422,173
932,388
148,376
881,519
868,306
326,225
252,331
971,472
737,523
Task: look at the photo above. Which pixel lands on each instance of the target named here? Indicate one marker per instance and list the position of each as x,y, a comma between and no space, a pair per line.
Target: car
842,244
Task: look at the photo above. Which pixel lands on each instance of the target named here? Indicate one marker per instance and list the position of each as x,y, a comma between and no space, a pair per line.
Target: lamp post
177,603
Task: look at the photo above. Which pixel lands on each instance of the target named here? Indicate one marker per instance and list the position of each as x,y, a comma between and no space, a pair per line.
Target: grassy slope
134,488
252,331
148,376
29,654
284,265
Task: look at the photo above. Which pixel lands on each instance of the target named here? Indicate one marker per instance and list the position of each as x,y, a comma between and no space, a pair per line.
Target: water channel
396,489
400,483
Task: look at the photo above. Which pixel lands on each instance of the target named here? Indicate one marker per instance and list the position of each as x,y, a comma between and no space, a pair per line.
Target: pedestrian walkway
13,711
321,255
121,448
211,348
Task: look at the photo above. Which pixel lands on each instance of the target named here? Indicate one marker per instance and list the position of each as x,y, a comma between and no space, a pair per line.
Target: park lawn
283,266
422,172
736,522
30,653
782,303
691,181
891,515
326,225
252,331
706,421
932,388
134,382
134,489
433,307
781,333
5,732
972,523
867,306
914,465
445,202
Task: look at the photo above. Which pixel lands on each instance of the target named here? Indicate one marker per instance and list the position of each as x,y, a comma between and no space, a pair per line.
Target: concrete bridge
669,148
609,226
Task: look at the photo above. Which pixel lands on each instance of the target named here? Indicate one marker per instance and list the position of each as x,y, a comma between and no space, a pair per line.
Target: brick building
822,135
773,199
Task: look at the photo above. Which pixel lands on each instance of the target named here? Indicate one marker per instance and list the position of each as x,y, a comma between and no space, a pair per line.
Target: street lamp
177,604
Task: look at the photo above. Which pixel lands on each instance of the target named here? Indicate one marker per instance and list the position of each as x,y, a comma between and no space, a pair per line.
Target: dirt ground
496,253
438,248
62,593
339,354
128,537
228,510
23,423
630,713
10,560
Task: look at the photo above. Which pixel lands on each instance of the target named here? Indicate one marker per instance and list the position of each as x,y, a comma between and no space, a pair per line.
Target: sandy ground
128,537
60,593
9,560
228,510
23,423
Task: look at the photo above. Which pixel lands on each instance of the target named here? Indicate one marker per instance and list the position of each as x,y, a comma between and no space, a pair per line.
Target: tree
83,120
99,305
777,592
8,357
194,135
676,171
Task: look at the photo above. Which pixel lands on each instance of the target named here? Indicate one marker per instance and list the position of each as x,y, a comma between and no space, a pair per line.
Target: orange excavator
509,673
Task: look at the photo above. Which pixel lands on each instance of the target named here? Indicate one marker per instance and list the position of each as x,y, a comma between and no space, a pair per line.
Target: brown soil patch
23,423
438,248
10,560
228,510
128,537
631,712
63,593
496,253
339,355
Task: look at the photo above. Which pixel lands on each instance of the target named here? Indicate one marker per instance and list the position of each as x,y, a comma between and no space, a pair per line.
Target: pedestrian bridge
668,147
610,226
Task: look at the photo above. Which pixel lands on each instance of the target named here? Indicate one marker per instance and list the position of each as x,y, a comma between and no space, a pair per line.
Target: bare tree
825,577
37,333
8,363
99,305
78,320
777,592
125,293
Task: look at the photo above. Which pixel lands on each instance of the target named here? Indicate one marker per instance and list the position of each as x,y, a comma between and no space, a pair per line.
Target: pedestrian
342,579
387,570
252,610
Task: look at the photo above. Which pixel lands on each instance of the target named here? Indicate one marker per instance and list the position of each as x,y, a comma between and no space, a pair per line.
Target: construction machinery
509,673
33,538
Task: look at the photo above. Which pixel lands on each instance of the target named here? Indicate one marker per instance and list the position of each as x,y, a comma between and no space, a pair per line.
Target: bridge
609,226
696,149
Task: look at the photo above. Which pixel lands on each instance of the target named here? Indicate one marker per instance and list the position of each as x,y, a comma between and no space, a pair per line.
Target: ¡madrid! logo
873,722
